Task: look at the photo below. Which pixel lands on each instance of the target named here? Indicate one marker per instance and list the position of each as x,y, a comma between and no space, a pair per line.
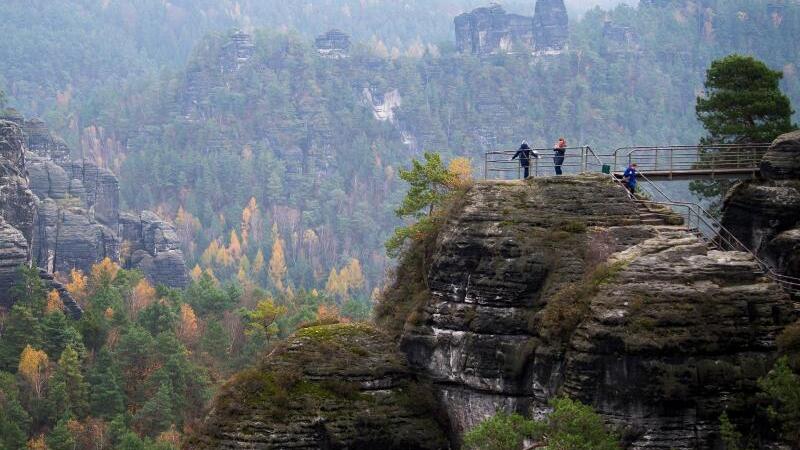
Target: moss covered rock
341,386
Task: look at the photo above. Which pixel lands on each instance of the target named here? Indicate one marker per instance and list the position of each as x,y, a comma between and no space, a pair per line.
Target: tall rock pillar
550,25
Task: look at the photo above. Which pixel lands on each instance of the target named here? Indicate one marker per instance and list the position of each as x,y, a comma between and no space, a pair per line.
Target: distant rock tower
491,30
333,44
550,25
237,51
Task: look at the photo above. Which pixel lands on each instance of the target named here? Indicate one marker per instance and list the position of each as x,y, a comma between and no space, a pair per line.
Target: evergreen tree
156,414
29,290
55,331
69,380
14,420
61,437
22,329
743,102
106,397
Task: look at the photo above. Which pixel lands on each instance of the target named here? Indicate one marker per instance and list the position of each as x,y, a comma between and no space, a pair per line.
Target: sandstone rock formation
17,207
492,30
334,44
550,25
68,212
153,247
658,338
765,214
330,387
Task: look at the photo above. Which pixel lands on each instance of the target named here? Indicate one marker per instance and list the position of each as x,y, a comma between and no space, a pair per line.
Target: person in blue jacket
630,177
525,153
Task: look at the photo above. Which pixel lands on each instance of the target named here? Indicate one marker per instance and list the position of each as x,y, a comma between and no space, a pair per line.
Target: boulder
333,387
782,160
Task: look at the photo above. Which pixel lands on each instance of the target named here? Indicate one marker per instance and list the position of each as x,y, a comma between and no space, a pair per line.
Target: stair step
652,221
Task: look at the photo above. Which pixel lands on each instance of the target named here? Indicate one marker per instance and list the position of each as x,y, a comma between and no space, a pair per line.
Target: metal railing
706,159
499,165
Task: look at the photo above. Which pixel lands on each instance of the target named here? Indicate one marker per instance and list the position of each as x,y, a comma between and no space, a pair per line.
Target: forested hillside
279,166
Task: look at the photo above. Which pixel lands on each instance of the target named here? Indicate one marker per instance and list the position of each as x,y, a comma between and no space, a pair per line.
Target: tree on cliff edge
743,102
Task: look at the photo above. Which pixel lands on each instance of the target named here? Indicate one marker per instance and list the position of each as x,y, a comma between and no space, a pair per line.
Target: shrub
501,432
570,426
782,387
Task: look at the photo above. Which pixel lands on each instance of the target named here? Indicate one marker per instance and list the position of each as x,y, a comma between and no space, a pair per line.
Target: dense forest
263,153
280,168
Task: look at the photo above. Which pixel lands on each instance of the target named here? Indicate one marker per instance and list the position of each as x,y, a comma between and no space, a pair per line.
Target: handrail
676,158
500,162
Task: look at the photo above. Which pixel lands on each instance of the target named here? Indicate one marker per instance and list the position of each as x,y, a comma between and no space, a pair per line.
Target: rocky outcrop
782,160
14,252
67,237
17,207
491,30
330,387
334,44
68,212
550,25
765,214
558,286
153,247
236,52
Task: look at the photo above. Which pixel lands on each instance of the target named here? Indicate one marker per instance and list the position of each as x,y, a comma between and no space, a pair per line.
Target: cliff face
560,286
17,207
765,214
61,214
532,290
329,387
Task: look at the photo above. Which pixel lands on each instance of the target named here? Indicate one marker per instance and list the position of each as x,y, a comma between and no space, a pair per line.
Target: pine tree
156,414
55,332
743,102
22,329
69,374
29,290
61,437
106,397
13,417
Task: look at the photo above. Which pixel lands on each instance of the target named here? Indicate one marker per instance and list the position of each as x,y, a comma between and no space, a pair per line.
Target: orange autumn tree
196,272
104,273
34,368
189,326
461,170
142,296
277,262
77,287
53,302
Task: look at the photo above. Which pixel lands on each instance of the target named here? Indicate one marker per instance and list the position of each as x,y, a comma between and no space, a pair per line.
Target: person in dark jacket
525,153
560,150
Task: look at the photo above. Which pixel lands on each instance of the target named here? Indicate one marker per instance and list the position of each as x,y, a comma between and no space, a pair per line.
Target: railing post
485,166
536,168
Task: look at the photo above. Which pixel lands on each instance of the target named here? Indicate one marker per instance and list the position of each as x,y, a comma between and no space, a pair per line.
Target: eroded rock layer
765,214
331,387
558,286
